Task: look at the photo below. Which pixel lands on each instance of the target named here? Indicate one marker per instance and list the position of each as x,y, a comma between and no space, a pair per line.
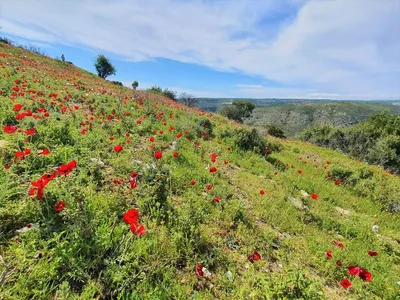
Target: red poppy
373,253
175,154
337,182
59,206
314,196
353,270
137,229
213,169
131,216
65,169
217,198
209,187
199,270
179,135
158,155
254,256
10,128
20,116
118,148
111,138
345,283
328,254
299,171
365,275
17,107
339,244
262,192
151,139
31,131
338,263
192,182
44,152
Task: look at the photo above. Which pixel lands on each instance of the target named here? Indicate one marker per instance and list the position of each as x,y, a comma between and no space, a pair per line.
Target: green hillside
294,118
110,193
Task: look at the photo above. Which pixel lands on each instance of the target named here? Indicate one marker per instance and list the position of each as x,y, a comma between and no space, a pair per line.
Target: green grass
86,251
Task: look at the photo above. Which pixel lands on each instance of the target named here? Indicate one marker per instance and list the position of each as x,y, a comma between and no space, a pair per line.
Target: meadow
111,193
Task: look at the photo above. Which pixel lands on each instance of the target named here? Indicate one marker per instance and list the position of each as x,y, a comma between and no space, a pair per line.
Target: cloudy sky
338,49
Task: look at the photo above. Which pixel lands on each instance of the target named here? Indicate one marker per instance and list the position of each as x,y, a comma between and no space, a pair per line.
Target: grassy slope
293,118
87,251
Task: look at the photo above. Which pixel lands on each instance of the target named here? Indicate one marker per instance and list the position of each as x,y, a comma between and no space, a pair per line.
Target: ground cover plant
111,193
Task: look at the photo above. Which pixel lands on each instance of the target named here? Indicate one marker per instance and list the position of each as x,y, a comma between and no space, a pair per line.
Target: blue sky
338,49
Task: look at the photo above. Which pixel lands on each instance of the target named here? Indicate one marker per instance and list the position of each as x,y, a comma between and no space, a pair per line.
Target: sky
336,49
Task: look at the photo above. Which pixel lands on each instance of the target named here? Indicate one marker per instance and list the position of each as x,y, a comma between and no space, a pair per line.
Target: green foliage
117,82
238,110
164,92
275,131
135,85
104,67
376,140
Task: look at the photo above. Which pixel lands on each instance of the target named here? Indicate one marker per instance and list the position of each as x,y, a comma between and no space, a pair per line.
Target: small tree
135,84
188,99
62,57
104,67
238,111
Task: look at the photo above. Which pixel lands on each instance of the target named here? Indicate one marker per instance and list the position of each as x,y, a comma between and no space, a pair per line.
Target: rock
297,203
304,194
229,276
375,228
342,211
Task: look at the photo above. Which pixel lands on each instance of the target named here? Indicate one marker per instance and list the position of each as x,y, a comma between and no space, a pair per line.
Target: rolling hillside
110,193
294,118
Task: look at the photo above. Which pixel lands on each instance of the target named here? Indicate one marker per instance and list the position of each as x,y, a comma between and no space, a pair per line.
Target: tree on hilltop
104,67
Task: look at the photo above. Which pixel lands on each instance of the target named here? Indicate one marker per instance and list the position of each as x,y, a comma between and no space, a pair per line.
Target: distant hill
295,117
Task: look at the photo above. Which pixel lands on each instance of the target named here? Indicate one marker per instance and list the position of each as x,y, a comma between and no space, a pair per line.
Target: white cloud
349,48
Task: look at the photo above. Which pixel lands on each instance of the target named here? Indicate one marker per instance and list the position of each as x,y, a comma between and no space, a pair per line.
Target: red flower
345,283
20,116
338,263
337,182
175,154
314,196
17,107
209,187
328,254
373,253
59,206
111,138
44,152
131,216
339,244
137,229
213,169
199,270
158,155
353,270
299,171
31,131
262,192
254,256
118,148
151,139
192,182
217,198
27,151
65,169
365,275
10,128
179,135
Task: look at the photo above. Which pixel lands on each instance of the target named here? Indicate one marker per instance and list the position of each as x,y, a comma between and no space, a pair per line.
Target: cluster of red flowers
41,183
131,217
